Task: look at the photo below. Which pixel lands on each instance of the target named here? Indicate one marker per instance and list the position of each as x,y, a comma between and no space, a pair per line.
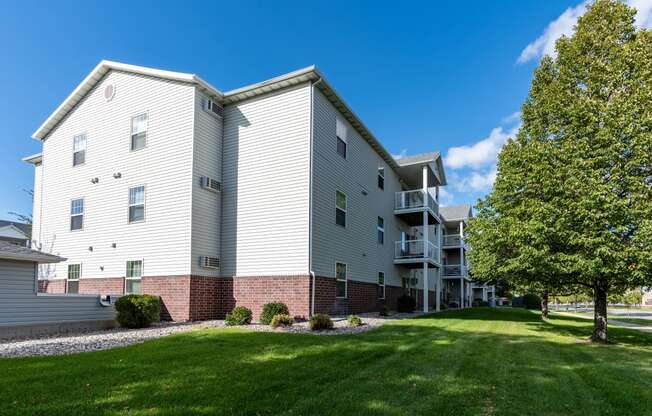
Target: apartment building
459,290
152,181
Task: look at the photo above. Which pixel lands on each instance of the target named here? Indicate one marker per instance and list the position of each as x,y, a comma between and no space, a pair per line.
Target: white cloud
565,24
445,198
474,181
400,154
485,151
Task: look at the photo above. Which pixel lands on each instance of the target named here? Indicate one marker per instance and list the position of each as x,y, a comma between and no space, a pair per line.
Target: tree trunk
600,313
544,304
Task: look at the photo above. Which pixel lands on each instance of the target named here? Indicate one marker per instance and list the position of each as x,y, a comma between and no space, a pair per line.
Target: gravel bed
62,344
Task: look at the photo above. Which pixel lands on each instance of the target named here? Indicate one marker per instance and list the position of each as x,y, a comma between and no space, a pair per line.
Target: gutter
313,279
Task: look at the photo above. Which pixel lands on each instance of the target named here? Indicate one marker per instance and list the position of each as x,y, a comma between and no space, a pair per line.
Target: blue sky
448,76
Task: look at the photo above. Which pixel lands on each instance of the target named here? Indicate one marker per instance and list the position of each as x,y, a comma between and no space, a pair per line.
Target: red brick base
190,298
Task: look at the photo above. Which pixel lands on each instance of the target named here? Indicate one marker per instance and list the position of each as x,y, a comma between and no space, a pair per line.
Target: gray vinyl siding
20,305
164,167
206,205
265,171
357,244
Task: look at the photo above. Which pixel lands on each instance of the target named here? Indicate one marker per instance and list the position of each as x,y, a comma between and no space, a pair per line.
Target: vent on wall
209,262
211,184
212,107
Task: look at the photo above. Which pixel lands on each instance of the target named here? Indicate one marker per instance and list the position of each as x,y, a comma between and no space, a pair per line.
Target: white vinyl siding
265,186
165,168
357,245
206,206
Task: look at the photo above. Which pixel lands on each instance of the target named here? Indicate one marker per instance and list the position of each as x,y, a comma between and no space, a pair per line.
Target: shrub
281,320
320,321
443,307
138,311
406,303
238,316
383,311
475,303
531,301
354,321
270,310
484,303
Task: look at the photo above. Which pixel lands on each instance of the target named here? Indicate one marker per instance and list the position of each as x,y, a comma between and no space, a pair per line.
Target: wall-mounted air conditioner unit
211,184
209,262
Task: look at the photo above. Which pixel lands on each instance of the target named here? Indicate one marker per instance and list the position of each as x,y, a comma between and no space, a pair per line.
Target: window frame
82,215
131,131
344,210
383,285
381,178
340,122
68,279
85,136
128,278
380,234
345,280
129,204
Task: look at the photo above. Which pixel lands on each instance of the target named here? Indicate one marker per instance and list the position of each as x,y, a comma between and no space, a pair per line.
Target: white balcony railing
454,270
415,249
454,240
415,199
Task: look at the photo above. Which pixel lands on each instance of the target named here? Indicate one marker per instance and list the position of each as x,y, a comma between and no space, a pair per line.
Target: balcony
413,253
454,240
409,206
454,270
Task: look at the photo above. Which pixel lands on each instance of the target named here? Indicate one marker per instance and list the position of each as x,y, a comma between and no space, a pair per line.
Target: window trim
83,214
131,129
129,205
74,280
345,209
142,273
381,174
383,285
380,229
340,121
345,280
85,148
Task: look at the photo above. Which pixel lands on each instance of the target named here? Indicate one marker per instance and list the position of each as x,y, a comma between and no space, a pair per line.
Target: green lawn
473,362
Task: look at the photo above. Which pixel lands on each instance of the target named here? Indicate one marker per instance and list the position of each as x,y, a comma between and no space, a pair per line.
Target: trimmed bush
138,311
484,303
354,321
406,303
383,311
238,316
531,301
475,303
270,310
320,321
281,320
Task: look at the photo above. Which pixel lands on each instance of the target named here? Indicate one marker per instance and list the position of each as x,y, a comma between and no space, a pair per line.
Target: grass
473,362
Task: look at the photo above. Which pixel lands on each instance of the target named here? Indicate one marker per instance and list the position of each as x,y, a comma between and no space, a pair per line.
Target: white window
340,208
381,285
381,230
79,150
381,178
341,137
134,277
77,214
137,204
138,131
340,277
72,283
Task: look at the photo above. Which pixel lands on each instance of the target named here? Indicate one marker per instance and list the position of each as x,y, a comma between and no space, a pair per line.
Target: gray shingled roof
9,251
455,212
424,157
25,228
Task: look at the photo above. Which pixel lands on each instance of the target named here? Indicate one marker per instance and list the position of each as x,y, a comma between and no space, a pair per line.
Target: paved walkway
614,322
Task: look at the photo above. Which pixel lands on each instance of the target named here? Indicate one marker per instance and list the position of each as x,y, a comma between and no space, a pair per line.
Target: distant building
647,296
15,232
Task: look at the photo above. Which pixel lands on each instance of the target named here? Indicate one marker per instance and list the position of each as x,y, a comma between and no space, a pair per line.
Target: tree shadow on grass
450,363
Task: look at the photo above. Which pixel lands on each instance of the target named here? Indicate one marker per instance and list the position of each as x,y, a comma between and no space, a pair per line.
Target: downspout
313,279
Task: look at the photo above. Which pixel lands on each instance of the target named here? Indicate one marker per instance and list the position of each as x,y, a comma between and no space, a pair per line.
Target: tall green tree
572,203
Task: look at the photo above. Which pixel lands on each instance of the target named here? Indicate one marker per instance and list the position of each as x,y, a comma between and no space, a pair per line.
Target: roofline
15,228
33,159
32,257
97,74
